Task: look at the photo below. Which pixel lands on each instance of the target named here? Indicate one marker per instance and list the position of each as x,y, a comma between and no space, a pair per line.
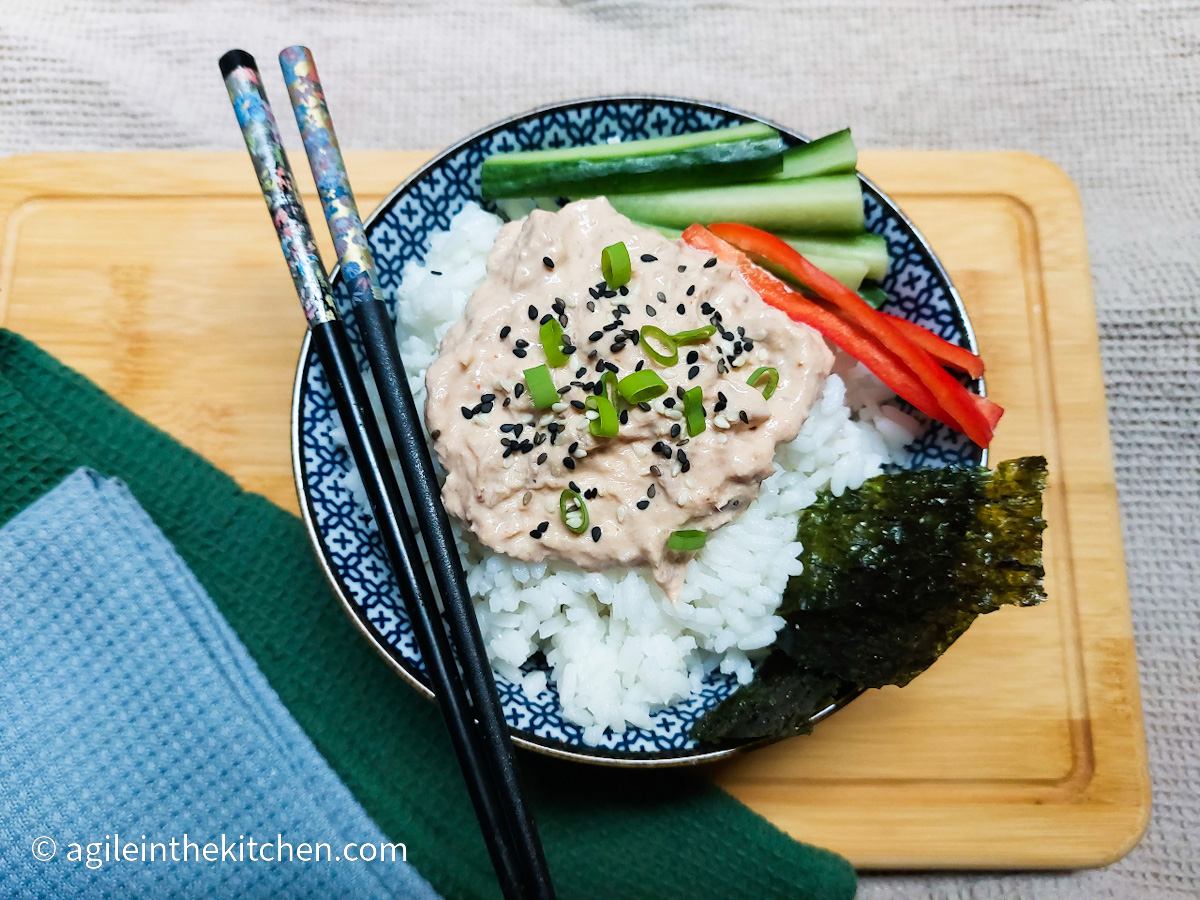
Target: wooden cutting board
158,276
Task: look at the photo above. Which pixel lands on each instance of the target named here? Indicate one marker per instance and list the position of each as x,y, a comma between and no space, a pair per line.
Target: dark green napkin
609,833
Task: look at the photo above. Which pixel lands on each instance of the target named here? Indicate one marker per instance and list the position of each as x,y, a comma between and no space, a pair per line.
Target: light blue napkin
130,715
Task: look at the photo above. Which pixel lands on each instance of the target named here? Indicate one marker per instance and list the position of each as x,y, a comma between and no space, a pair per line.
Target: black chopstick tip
235,59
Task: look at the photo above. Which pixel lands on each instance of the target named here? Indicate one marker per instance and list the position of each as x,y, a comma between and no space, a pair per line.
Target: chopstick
244,84
379,338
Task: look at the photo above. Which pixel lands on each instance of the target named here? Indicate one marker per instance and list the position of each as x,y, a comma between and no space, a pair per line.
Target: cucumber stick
721,156
870,249
848,270
831,204
833,154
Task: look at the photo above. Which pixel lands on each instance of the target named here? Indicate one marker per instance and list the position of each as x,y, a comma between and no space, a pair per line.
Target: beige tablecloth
1109,90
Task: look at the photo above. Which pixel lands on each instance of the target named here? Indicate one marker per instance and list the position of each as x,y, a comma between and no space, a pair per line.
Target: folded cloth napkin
131,717
606,832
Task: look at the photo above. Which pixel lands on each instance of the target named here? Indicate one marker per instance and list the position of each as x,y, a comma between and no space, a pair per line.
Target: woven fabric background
1109,90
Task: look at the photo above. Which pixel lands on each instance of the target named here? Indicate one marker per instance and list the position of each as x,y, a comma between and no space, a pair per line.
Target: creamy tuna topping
507,462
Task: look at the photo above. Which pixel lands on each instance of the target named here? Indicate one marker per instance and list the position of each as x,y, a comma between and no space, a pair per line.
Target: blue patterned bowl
346,540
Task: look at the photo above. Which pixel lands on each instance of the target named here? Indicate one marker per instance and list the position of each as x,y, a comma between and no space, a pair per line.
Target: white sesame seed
621,513
687,479
740,361
509,462
482,420
545,420
676,468
591,414
721,439
550,504
579,453
639,450
558,407
683,498
571,302
720,421
581,423
672,413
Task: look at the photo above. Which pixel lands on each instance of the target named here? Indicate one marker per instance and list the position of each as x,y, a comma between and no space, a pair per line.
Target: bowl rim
549,747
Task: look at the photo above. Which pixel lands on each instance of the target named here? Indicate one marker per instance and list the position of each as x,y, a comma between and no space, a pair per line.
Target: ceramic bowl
343,535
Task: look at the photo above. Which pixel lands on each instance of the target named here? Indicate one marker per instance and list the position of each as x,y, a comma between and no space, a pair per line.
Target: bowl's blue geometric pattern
346,539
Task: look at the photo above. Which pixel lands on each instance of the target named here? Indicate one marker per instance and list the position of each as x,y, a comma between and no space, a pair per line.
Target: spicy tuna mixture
508,462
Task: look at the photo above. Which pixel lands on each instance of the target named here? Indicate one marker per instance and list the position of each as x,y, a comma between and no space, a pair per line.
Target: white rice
617,648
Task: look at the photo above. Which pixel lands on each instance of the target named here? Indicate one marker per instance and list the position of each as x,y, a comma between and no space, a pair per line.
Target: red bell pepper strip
950,395
870,352
958,358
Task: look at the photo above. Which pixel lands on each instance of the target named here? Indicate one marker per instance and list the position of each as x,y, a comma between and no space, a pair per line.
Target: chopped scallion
605,424
695,336
768,374
666,357
552,342
614,265
541,387
687,541
573,510
641,387
693,410
609,380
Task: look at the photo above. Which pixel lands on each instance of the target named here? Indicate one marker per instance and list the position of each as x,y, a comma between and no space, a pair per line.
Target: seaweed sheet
893,573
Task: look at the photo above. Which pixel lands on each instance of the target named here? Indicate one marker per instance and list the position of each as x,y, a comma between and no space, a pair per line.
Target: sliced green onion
552,341
641,387
541,387
693,410
609,380
874,295
687,541
573,510
605,424
664,358
695,336
614,265
770,374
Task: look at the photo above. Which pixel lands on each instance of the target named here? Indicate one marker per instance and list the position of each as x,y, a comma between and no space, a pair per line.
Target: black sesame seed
507,426
675,429
650,311
684,463
539,438
436,433
507,401
596,533
643,504
578,404
591,493
565,389
595,335
509,450
693,372
547,262
520,353
581,371
466,413
669,402
535,534
624,417
434,272
487,398
651,491
599,365
655,471
520,342
598,388
568,349
544,319
612,326
526,446
612,367
644,407
591,306
692,357
568,462
595,296
542,457
574,446
649,257
505,331
681,309
682,269
485,407
706,308
727,335
623,291
572,485
710,263
745,418
519,389
623,309
592,354
638,367
543,526
748,345
533,313
662,298
691,290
